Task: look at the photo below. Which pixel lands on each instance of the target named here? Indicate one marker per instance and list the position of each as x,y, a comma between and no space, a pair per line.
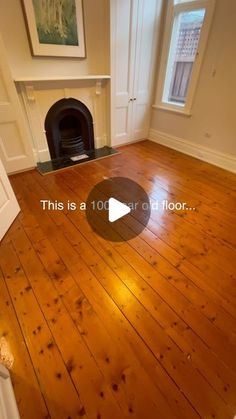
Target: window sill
180,111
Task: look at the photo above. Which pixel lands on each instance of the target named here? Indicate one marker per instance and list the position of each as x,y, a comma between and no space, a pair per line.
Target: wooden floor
144,329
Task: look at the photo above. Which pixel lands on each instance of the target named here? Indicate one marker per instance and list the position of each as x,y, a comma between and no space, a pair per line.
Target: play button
116,210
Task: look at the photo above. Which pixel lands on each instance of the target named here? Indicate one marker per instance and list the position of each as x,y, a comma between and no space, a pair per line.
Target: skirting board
129,142
225,161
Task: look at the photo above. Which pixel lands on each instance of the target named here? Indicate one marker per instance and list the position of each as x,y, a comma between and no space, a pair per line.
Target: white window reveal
186,32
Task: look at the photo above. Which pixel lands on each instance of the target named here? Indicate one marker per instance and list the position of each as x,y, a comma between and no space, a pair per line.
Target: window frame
172,11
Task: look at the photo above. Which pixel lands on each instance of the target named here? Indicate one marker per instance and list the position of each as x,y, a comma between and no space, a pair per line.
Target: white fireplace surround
38,95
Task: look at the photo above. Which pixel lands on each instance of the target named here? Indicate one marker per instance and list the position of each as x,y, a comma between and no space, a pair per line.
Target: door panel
147,37
14,147
9,207
134,35
121,122
123,24
15,144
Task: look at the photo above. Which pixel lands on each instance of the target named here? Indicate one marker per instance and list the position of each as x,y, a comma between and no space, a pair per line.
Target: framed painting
55,27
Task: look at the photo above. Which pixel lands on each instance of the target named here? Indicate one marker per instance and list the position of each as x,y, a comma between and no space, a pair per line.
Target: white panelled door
9,207
134,37
15,148
149,13
123,26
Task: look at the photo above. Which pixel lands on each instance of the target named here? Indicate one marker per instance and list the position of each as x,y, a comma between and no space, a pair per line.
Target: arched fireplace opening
69,128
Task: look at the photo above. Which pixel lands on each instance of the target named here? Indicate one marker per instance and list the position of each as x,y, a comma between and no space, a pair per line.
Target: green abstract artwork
56,22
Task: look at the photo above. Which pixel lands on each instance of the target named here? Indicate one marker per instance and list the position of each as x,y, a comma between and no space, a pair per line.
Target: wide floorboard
142,329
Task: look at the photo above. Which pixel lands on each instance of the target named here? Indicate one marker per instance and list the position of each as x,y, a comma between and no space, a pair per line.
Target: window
186,32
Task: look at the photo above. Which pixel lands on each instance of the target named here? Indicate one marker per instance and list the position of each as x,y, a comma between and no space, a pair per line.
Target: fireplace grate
72,146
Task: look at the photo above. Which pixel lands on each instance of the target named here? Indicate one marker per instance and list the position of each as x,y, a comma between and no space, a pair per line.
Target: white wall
213,121
13,30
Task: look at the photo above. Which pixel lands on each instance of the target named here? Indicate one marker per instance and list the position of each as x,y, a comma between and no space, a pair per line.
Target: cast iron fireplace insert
69,128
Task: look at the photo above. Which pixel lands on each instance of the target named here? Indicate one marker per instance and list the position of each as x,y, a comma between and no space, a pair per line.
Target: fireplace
69,129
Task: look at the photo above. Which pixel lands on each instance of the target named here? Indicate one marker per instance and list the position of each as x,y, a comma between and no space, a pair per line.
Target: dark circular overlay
129,193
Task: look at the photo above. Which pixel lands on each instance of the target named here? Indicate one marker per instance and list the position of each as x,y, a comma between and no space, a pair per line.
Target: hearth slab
65,162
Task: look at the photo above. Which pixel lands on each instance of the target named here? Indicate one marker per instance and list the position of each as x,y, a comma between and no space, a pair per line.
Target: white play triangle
116,210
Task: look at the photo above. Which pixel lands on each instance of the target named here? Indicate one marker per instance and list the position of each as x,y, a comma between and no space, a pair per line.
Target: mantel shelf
61,78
